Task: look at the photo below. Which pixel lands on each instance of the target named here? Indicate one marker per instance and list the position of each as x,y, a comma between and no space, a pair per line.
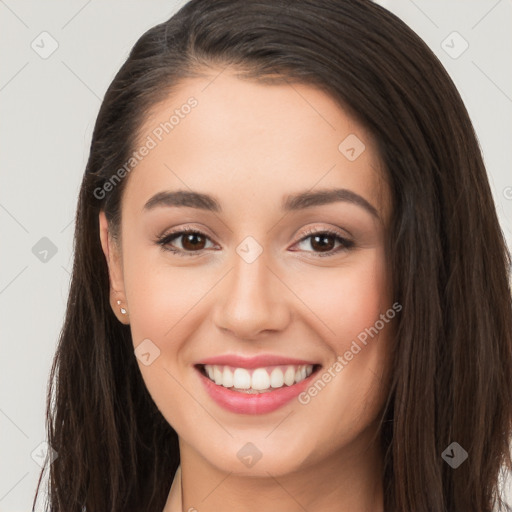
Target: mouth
266,379
255,389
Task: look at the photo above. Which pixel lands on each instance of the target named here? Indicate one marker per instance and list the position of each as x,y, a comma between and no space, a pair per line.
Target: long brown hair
452,356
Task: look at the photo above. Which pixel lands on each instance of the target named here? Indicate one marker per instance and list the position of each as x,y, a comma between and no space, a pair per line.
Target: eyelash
165,240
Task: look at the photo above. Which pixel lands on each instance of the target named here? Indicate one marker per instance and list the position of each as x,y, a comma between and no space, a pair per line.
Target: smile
257,380
256,386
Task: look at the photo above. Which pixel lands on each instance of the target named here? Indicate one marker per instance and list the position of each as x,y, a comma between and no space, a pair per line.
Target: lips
255,385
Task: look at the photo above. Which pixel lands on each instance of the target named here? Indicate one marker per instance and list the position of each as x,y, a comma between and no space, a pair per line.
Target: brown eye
191,240
323,242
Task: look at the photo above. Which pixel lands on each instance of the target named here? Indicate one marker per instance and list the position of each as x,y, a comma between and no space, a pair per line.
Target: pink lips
261,403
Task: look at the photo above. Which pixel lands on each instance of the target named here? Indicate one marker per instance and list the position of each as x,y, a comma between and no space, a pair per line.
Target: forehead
244,139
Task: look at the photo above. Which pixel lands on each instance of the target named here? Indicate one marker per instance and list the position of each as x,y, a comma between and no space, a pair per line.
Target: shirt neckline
174,500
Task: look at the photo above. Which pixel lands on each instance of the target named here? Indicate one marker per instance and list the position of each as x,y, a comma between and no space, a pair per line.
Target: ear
112,253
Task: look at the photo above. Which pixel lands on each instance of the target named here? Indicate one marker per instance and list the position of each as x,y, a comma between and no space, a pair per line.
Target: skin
251,144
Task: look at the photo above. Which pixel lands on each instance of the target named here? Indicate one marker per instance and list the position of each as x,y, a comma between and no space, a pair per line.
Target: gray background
48,107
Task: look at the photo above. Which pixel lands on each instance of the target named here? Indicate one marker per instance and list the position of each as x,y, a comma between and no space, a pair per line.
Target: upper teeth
258,379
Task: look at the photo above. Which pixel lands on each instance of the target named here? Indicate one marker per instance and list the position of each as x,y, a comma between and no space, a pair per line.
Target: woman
290,290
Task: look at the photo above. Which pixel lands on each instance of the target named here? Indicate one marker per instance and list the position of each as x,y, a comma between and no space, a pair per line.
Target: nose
252,300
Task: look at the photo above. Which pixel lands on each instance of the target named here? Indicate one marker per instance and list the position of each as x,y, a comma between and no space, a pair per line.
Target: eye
324,241
192,241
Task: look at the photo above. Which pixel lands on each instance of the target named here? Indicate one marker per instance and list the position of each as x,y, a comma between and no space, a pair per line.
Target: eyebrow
295,202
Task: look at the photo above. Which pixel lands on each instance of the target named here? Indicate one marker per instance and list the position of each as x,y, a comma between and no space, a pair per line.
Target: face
285,298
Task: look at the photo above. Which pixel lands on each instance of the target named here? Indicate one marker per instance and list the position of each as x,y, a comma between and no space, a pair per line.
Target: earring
123,311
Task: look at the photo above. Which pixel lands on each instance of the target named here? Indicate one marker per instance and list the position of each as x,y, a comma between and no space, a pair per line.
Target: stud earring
123,311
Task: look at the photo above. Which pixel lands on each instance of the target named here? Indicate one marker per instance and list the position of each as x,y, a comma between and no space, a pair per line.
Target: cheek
163,302
348,299
349,304
159,291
